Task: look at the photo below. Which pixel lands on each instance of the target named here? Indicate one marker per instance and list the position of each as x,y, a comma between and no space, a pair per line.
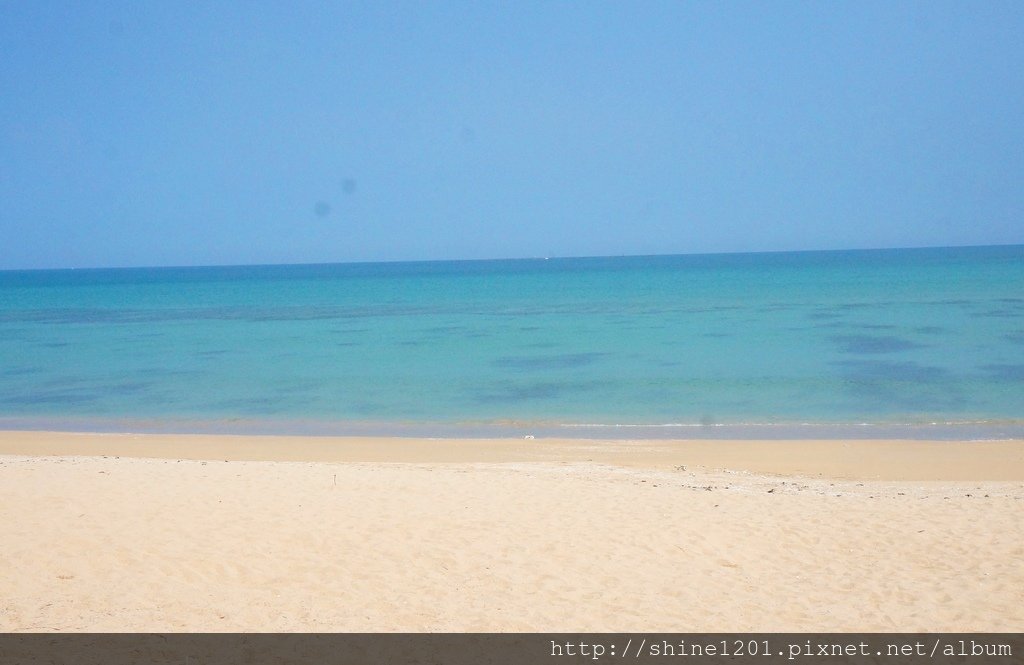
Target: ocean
923,343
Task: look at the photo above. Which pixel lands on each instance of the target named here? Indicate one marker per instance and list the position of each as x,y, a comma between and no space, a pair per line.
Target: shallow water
881,341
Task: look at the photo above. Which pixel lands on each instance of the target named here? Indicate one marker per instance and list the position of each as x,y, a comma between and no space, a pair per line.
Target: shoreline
850,459
994,429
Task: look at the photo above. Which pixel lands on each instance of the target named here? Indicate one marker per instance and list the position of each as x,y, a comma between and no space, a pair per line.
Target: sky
212,133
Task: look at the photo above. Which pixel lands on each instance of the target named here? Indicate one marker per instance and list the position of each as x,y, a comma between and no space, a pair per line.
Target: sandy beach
104,532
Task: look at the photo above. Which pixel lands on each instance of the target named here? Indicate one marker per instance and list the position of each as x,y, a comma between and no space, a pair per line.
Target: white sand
108,544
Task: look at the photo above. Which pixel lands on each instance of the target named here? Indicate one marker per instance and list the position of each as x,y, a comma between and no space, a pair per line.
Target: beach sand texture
398,535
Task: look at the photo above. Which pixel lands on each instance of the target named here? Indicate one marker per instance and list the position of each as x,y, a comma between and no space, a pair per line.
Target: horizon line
506,258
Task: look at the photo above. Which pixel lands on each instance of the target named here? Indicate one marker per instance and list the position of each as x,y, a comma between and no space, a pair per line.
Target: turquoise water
782,342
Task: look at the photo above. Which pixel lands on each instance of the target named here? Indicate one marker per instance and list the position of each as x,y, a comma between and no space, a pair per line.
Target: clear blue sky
178,133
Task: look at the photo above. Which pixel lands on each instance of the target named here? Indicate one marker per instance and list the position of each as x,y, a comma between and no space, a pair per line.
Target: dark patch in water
716,334
1000,314
286,315
823,316
443,329
894,386
53,345
1015,337
930,330
863,344
1013,372
531,392
126,387
164,372
20,371
267,314
856,326
56,397
561,361
534,391
892,371
252,405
